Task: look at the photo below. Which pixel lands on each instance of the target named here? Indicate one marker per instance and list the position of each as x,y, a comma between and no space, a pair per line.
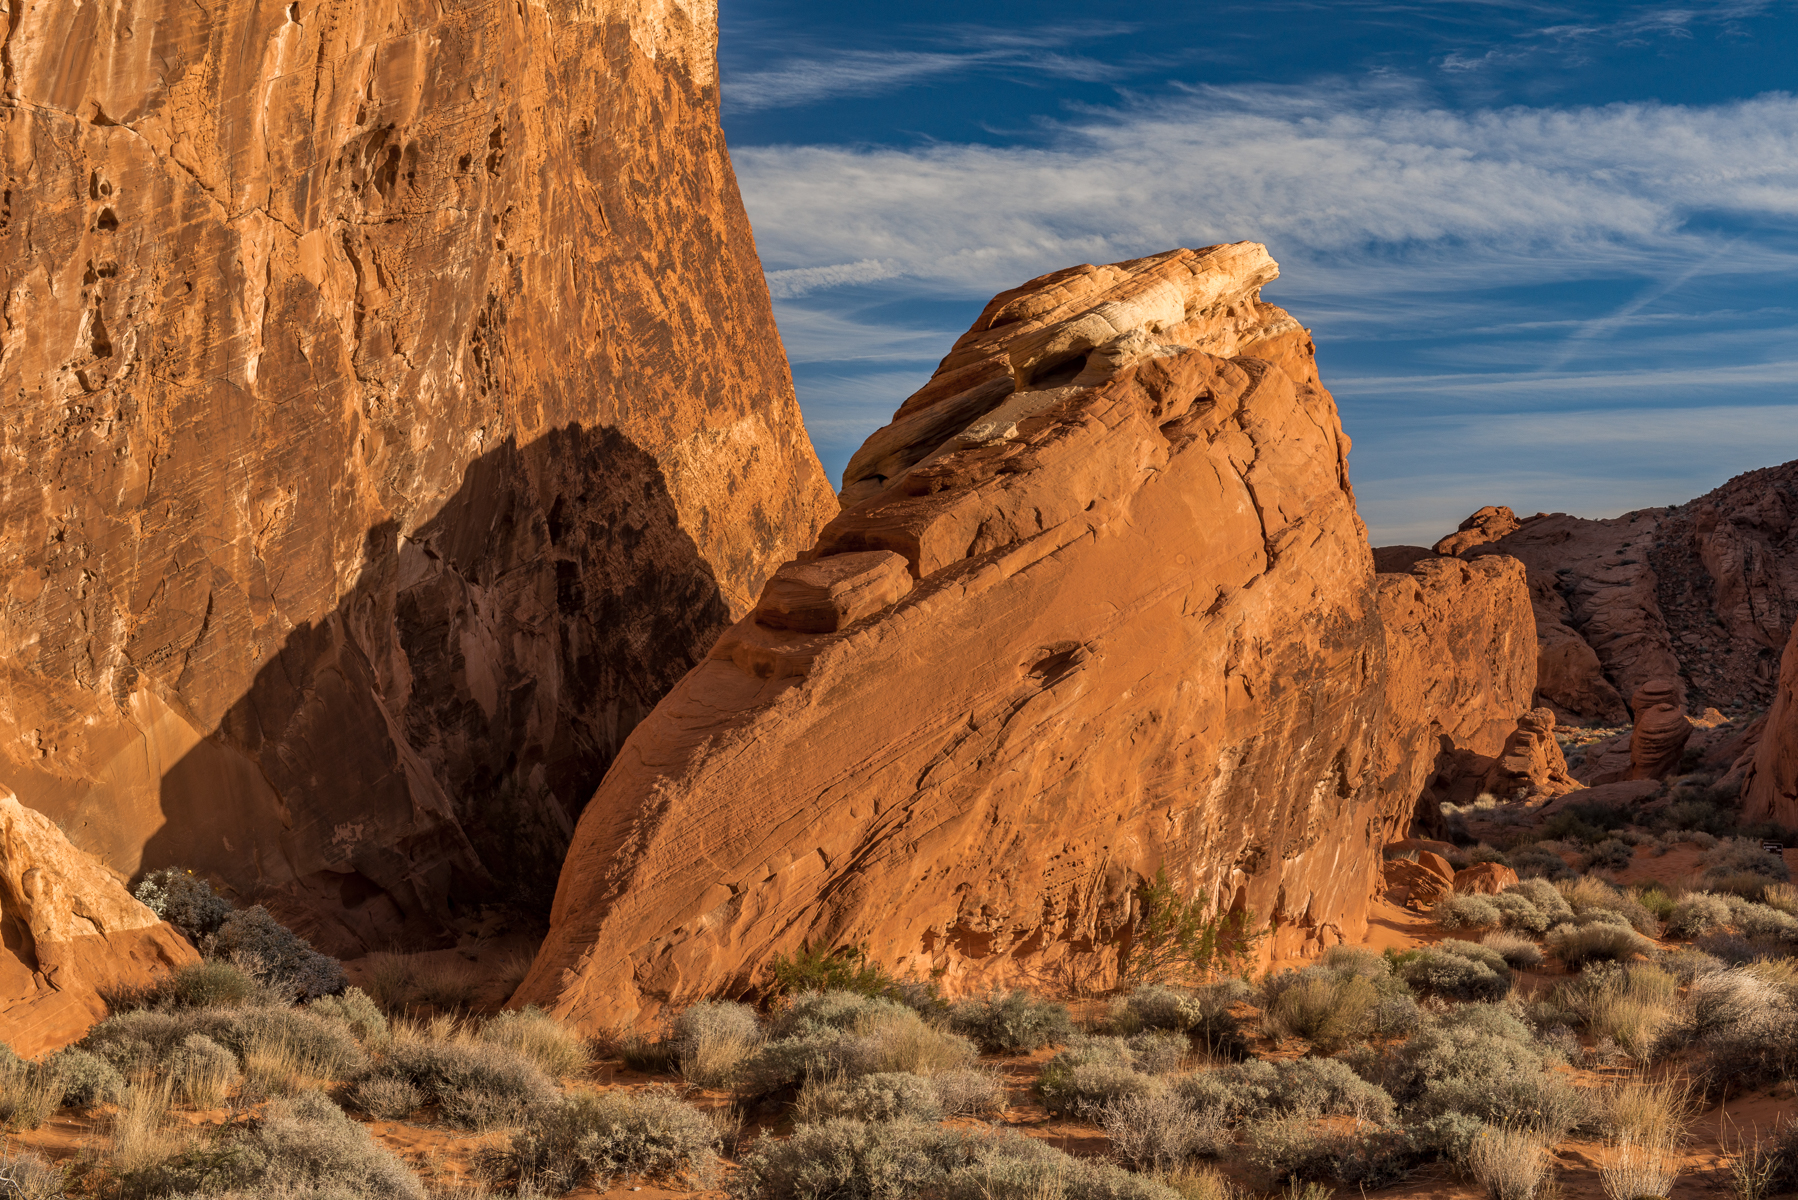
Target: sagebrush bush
1292,1149
387,1097
203,1071
856,1035
185,901
1012,1022
1155,1131
1539,862
1201,1012
276,955
1577,945
1761,922
1466,911
1520,953
209,984
29,1091
476,1085
1306,1087
1738,855
1517,911
884,1096
1592,897
1328,1011
1510,1162
594,1137
1454,970
1633,1006
1088,1087
356,1011
553,1046
1158,1051
1696,914
30,1176
317,1046
87,1079
969,1092
1687,963
1612,854
903,1160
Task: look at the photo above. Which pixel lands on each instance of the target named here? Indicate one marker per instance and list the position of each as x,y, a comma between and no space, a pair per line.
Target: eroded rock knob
1658,741
1655,693
826,594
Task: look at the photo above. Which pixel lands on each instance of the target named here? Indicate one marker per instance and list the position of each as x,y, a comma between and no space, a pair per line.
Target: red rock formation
1703,593
1138,630
69,929
1770,771
1460,655
383,438
1661,730
1420,882
1484,879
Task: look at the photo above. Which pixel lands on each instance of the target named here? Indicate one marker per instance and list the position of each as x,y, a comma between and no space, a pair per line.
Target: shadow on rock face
427,746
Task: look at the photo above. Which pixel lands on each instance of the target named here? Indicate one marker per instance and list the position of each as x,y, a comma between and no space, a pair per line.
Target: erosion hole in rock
108,221
1057,373
1054,666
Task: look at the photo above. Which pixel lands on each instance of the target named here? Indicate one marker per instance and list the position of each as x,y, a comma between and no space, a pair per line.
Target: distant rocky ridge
1098,604
394,412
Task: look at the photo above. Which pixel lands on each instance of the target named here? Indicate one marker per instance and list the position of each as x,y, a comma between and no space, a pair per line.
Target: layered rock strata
1769,769
68,928
1098,604
394,413
1704,594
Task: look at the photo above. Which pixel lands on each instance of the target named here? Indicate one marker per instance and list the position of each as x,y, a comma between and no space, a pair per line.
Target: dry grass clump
29,1092
475,1084
543,1039
1193,1181
203,1071
1155,1131
1520,953
1640,1169
1510,1162
138,1135
1634,1006
1328,1012
714,1039
1577,945
28,1176
1648,1111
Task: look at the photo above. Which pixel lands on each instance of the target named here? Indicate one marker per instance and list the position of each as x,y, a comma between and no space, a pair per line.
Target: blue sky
1549,251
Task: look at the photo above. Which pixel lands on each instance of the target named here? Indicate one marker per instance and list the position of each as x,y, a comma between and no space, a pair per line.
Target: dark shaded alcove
425,748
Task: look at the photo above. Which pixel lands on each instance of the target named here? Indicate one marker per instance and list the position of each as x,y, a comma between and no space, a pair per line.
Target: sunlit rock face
1098,603
393,412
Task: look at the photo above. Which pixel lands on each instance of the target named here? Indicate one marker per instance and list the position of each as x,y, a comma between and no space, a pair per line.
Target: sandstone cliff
393,413
1770,770
67,929
1703,594
1098,602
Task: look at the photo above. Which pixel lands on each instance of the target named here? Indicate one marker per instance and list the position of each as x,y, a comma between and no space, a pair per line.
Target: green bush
592,1138
1011,1022
815,969
1177,938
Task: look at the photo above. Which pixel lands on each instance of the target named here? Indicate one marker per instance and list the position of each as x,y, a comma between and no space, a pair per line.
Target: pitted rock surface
394,413
1142,632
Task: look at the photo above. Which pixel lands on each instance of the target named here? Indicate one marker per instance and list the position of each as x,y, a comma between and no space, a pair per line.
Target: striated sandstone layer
68,928
1704,593
393,413
1770,768
1098,604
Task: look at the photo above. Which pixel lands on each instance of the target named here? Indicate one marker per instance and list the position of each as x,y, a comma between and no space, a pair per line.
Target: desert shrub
1577,945
1760,922
87,1079
1738,855
1539,862
356,1011
1641,1168
1590,897
1783,896
970,1092
809,1013
1696,914
139,1040
1011,1022
203,1071
1154,1131
1203,1012
593,1137
1158,1052
277,955
30,1176
1686,963
1658,901
185,901
889,1096
1546,896
853,1034
1089,1087
1612,854
1646,1109
209,984
1520,953
902,1160
1178,939
1292,1149
1454,970
476,1085
1746,1027
553,1046
1306,1087
1517,911
1511,1163
1465,911
387,1097
1477,1059
1327,1010
815,969
1632,1006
